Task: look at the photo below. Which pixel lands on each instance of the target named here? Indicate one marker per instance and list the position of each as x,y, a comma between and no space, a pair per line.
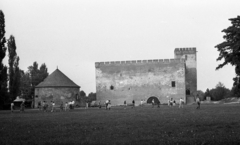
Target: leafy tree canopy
229,50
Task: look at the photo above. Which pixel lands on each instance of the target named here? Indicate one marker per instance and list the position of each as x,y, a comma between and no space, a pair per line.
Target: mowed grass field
212,124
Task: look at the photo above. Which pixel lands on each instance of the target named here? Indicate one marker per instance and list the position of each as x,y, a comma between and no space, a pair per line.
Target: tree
229,50
25,85
14,71
3,68
82,94
219,92
92,97
36,75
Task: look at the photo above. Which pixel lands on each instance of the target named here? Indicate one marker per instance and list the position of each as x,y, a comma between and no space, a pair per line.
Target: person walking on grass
99,105
125,104
158,103
53,106
133,103
141,103
106,104
109,105
12,107
22,106
66,106
152,103
61,106
198,103
181,101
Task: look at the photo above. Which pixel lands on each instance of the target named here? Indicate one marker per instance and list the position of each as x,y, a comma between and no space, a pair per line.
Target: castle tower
190,56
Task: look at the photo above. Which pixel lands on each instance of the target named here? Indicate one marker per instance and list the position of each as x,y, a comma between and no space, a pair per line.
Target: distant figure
44,106
39,105
125,104
174,102
99,105
198,103
133,103
141,103
12,107
106,104
109,105
168,102
66,106
53,106
22,106
153,103
181,101
61,106
158,103
171,102
72,104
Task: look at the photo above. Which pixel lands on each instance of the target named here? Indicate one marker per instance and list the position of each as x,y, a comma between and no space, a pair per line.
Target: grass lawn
212,124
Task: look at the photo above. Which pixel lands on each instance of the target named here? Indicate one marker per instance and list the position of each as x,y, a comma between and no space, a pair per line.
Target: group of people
44,106
22,106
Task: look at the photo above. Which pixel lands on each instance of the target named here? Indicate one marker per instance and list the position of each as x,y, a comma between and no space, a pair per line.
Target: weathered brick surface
55,94
140,80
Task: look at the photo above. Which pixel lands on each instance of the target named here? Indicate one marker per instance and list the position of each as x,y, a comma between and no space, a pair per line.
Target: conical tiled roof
57,79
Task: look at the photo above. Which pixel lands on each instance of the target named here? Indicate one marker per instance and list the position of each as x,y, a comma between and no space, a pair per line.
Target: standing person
106,104
22,106
61,106
171,102
181,101
141,102
198,103
66,106
109,105
125,104
53,106
44,106
73,102
158,103
133,103
99,105
174,102
152,103
39,105
12,107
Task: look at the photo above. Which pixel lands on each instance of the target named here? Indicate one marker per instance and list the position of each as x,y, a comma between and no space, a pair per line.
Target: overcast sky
74,34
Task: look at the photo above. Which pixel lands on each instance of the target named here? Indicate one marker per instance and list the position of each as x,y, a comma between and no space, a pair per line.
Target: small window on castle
173,84
187,92
36,96
111,87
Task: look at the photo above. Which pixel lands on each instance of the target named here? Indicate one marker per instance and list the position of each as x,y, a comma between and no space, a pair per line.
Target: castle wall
56,94
139,80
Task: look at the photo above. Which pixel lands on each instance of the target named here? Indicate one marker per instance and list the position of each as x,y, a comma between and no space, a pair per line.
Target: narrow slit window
173,84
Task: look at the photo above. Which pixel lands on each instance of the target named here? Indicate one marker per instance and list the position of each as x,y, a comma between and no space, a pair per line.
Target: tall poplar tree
14,71
3,68
229,51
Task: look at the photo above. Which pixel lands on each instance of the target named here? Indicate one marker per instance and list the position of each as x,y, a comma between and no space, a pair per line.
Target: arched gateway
149,100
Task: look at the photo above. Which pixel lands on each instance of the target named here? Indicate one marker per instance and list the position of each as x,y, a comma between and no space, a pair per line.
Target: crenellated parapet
97,64
180,51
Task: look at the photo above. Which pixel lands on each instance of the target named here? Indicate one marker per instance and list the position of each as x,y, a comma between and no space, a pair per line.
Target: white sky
74,34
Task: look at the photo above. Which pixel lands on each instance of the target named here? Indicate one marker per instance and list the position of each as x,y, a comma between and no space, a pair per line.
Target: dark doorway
149,100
